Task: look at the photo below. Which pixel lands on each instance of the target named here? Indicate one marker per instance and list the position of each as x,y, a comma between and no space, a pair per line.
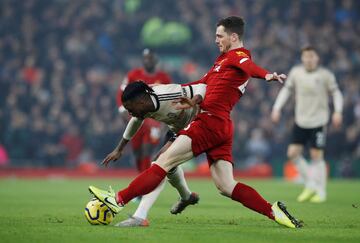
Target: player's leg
139,218
318,173
177,179
294,153
300,138
176,176
222,173
180,151
142,152
147,201
318,170
177,153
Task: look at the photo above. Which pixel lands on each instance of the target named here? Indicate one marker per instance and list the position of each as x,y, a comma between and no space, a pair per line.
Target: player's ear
234,37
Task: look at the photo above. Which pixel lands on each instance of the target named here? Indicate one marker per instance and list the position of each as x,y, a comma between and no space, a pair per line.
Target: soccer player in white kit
158,102
311,85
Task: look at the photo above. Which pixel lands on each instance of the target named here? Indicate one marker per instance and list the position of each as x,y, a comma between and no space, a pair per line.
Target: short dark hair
148,51
135,90
308,48
233,24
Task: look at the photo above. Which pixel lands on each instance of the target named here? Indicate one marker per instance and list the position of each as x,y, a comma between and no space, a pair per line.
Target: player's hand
277,77
113,156
184,103
336,119
275,116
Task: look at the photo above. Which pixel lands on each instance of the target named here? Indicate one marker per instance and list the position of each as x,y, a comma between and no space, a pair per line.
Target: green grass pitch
53,211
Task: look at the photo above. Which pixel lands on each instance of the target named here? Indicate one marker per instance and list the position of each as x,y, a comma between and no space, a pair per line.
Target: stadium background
62,61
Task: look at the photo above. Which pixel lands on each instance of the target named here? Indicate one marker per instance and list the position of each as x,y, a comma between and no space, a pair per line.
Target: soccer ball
97,212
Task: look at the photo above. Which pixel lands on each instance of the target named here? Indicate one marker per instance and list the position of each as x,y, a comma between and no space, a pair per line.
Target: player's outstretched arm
131,128
275,77
116,153
255,71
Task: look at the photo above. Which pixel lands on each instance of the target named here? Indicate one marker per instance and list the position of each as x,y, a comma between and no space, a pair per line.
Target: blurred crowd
62,61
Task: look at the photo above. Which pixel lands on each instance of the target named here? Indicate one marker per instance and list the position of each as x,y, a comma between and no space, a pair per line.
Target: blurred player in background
211,132
143,101
311,85
148,136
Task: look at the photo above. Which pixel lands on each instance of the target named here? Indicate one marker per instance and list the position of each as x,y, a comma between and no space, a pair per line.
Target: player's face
135,108
310,59
223,39
149,62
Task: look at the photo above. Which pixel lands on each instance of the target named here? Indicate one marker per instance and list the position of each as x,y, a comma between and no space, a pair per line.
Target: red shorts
212,135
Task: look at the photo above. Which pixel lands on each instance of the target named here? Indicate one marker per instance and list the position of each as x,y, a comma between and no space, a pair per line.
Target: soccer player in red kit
211,131
149,134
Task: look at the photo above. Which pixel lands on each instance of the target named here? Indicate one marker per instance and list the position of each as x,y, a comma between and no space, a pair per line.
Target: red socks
148,180
251,199
144,183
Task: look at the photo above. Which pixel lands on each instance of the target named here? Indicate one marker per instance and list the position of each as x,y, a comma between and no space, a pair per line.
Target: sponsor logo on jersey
241,54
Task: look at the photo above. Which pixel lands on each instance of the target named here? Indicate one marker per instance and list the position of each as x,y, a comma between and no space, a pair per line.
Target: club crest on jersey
217,68
218,65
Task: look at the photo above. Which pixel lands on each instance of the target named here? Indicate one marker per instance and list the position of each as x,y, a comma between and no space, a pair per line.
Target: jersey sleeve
243,61
331,82
132,127
333,88
199,89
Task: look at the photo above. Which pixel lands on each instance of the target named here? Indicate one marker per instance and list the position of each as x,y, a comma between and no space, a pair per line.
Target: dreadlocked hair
135,90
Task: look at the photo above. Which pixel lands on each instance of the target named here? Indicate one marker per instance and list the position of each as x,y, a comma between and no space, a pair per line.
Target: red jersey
159,77
226,81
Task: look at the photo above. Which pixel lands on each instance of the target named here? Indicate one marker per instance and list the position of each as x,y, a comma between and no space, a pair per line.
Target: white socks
303,168
318,177
176,179
147,201
313,174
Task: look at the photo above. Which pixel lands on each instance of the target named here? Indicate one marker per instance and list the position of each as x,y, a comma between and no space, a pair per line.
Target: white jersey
163,98
311,95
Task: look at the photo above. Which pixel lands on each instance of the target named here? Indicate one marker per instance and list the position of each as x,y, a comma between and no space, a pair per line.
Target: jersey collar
155,101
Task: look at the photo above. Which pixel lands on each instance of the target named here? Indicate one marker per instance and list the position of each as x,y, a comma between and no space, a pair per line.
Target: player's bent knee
166,162
294,151
224,189
293,154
